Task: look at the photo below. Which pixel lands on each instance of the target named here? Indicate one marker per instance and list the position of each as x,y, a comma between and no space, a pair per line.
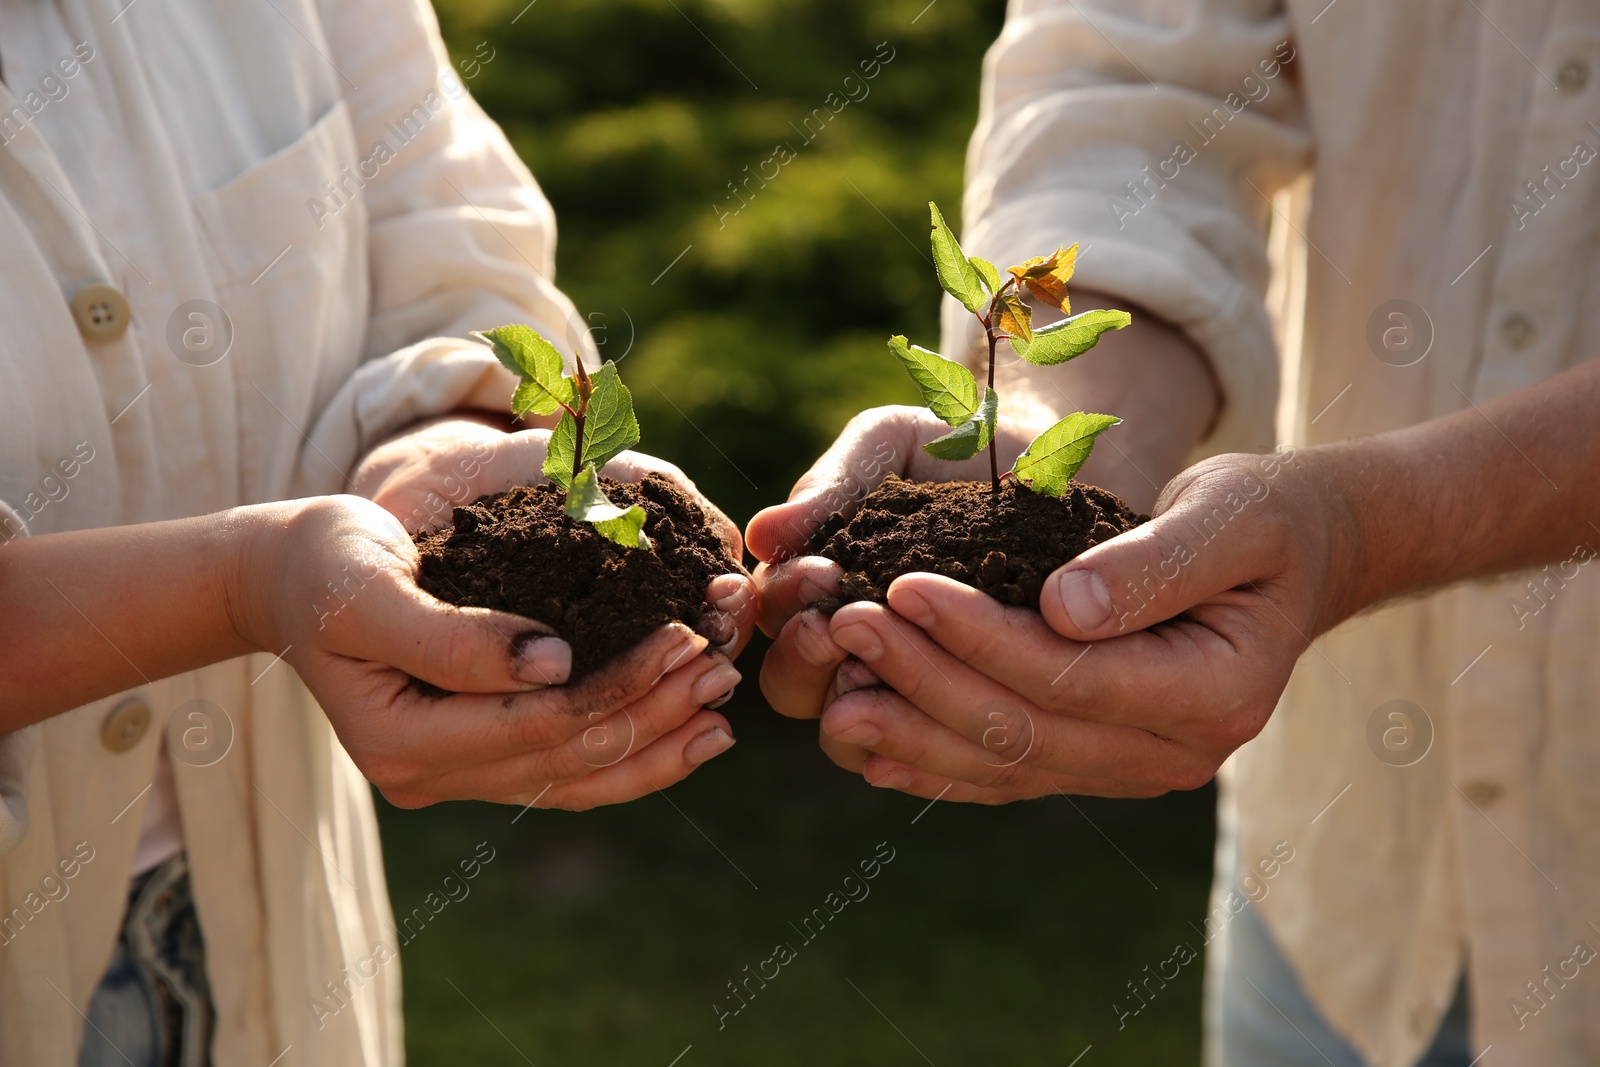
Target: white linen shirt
1451,148
230,153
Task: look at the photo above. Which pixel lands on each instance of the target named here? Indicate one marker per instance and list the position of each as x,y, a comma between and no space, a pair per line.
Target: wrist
1341,477
248,565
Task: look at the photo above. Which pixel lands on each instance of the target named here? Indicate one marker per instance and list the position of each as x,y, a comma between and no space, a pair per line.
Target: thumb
458,649
1156,571
876,443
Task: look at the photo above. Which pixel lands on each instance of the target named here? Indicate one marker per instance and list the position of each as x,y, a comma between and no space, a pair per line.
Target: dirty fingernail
912,607
729,593
1085,599
860,639
718,681
893,778
852,675
542,660
707,746
860,733
718,627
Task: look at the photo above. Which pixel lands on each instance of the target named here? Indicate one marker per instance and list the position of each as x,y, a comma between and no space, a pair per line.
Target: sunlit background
994,935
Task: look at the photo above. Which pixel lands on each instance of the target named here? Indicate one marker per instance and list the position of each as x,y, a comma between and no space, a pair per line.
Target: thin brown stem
585,387
994,453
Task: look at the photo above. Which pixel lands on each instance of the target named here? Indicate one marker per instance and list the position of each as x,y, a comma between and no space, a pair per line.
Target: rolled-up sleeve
1153,135
460,236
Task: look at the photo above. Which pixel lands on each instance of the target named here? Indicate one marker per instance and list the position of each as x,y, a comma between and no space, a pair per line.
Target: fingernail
861,733
812,641
542,660
860,639
852,675
733,602
718,627
1085,599
679,654
894,778
713,705
716,682
708,745
811,591
911,607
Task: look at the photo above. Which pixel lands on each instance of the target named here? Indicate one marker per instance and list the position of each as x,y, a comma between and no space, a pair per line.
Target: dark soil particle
518,551
1005,544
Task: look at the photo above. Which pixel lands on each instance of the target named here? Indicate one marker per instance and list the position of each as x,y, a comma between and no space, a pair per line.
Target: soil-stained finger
462,729
798,671
793,586
659,765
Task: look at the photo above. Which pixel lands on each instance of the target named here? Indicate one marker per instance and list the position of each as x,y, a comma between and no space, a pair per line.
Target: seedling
597,423
950,390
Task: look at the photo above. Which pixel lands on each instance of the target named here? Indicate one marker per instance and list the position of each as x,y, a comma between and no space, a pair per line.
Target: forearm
1512,483
90,613
1148,374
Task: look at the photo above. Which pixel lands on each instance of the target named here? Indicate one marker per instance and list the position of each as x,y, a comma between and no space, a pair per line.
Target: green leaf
609,428
1057,454
988,272
1061,341
971,438
587,502
948,388
537,362
956,273
560,455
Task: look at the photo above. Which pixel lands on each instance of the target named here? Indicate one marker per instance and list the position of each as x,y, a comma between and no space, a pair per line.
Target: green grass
995,935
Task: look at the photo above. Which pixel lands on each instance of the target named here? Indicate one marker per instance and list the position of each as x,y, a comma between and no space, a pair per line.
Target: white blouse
239,244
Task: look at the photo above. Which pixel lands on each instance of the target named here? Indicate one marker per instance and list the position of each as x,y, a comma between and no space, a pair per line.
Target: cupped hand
801,672
330,581
420,476
1153,656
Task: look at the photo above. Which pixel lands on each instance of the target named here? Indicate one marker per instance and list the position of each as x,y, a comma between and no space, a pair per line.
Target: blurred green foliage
998,936
650,122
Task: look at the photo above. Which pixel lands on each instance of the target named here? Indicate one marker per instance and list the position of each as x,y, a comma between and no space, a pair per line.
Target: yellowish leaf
1046,276
1016,318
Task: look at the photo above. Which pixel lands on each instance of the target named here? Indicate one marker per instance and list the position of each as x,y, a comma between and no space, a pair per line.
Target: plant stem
581,373
994,458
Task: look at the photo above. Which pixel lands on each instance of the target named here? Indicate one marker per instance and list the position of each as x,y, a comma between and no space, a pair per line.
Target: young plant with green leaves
597,423
950,390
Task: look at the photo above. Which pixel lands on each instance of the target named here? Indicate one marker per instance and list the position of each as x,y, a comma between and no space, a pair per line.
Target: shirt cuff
387,394
1166,272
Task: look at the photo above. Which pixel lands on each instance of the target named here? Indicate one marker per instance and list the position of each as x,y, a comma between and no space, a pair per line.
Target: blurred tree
741,208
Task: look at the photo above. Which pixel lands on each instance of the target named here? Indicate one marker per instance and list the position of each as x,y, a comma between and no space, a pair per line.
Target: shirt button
1573,76
1518,330
125,725
102,312
1482,793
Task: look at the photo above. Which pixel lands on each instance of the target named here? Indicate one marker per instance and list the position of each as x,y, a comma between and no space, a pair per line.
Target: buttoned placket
1527,337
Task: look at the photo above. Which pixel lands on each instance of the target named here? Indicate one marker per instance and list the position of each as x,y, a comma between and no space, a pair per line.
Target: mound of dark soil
518,551
1005,544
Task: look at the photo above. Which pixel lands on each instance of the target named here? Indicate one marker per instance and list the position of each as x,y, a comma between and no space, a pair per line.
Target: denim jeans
153,1006
1258,1015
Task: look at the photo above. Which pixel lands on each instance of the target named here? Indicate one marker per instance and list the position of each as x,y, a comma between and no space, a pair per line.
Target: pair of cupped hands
1150,658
